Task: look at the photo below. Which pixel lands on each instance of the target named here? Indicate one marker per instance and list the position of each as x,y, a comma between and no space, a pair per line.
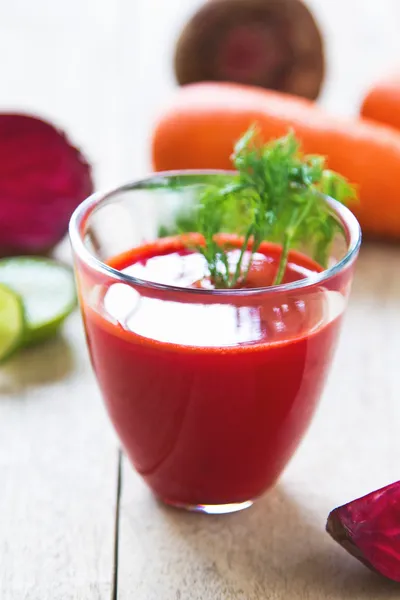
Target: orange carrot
199,128
382,102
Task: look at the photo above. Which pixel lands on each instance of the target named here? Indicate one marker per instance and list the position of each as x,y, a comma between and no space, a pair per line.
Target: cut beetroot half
369,528
43,178
268,43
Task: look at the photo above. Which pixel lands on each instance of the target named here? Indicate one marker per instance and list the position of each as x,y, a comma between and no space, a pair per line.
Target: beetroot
369,528
268,43
42,180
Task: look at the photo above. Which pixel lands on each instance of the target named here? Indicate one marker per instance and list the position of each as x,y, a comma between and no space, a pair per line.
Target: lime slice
12,322
47,289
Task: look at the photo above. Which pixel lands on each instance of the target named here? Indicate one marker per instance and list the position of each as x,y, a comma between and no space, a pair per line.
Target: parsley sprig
277,195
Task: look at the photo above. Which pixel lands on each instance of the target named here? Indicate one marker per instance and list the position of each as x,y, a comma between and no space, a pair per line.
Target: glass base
212,509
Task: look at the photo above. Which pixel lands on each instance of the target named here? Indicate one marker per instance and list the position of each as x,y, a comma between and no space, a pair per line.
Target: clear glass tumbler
210,391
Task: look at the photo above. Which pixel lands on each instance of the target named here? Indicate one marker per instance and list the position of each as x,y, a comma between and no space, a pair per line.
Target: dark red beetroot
276,44
369,528
42,180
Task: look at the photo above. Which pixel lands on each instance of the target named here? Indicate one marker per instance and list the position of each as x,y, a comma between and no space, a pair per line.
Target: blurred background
101,69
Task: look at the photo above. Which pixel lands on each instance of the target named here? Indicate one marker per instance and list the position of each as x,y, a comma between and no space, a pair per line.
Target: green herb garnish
277,195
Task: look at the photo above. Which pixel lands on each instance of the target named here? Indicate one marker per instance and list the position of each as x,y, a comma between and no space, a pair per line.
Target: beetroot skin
43,178
369,528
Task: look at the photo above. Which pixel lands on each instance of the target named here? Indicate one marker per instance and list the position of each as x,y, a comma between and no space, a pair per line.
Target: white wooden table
74,526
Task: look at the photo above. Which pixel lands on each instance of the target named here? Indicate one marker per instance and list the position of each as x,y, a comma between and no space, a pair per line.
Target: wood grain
58,456
278,549
102,70
58,474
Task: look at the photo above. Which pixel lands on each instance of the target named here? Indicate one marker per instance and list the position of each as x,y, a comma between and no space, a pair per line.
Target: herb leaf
277,195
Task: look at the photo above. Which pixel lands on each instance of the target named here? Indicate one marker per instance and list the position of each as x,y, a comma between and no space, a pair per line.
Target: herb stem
288,239
238,270
276,195
283,259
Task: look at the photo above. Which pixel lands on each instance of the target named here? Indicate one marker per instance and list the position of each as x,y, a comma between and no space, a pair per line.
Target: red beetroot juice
211,395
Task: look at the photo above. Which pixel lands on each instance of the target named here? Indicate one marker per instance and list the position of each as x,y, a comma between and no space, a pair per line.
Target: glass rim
88,206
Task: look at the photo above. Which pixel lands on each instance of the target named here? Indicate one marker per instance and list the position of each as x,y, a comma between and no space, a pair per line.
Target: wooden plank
58,455
58,471
279,549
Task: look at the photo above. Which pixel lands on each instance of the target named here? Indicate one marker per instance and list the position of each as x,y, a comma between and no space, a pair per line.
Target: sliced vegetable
368,528
200,127
43,179
276,45
12,322
47,290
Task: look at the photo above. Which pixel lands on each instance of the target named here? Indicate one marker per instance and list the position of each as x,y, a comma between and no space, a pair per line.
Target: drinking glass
210,391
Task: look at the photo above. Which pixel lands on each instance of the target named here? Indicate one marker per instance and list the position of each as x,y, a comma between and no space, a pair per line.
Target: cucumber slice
12,322
47,289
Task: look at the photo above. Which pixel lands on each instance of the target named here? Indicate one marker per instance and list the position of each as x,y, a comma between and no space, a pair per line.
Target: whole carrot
382,102
198,129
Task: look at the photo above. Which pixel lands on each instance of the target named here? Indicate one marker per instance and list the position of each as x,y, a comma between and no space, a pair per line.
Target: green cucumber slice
47,289
12,322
